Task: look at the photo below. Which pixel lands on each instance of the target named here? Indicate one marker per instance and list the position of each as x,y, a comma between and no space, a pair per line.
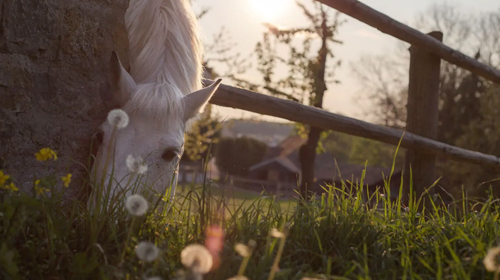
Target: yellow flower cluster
3,182
66,179
39,189
10,186
46,154
3,178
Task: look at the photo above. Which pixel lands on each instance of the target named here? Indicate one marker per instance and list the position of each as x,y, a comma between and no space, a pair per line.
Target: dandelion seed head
252,244
197,258
277,234
147,251
118,118
154,278
136,205
238,277
492,260
136,165
243,250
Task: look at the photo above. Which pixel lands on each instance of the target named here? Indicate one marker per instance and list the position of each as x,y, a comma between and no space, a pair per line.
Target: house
282,166
279,170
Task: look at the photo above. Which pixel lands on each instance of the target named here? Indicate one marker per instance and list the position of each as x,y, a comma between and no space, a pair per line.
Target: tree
358,150
463,97
201,137
310,65
480,134
235,156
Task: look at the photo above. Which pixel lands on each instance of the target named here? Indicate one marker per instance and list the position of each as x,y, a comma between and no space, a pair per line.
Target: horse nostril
97,140
99,137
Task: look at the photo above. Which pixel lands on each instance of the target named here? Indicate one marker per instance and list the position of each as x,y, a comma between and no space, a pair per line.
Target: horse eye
170,154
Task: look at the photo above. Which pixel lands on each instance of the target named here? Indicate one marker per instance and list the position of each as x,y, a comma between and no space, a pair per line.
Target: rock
54,58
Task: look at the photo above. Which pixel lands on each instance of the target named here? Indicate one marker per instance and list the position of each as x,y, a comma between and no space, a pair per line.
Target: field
334,236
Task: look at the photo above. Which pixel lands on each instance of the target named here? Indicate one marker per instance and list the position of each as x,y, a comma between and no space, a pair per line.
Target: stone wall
54,58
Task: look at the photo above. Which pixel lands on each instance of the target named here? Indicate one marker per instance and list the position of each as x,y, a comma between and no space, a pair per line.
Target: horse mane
165,54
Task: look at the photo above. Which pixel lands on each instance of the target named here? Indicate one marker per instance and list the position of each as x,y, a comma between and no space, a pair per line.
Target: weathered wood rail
235,97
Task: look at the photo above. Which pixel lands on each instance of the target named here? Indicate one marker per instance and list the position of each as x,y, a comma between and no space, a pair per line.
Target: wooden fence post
422,117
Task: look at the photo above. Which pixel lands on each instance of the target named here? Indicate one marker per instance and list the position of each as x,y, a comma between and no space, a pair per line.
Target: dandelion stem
129,235
101,186
274,268
243,266
130,177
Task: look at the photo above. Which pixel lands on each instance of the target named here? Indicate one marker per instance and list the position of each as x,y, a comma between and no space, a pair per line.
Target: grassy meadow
241,235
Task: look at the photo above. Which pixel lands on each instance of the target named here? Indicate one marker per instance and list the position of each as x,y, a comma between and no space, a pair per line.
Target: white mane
165,54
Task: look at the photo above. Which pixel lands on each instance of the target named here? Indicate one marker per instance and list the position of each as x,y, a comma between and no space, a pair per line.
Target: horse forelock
164,44
160,102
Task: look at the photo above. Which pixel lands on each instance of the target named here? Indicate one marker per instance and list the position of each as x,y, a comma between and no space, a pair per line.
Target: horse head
153,138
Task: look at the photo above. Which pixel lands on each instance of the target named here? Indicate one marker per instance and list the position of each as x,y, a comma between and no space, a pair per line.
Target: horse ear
196,101
122,84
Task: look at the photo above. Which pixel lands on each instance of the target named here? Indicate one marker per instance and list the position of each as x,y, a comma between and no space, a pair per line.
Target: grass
333,237
233,197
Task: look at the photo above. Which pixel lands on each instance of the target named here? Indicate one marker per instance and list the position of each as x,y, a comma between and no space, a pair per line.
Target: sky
243,21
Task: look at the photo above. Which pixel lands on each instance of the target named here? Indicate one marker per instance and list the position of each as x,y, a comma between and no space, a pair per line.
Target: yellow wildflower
11,187
39,189
3,178
46,154
66,179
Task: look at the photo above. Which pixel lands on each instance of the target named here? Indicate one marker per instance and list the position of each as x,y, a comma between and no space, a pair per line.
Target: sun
268,10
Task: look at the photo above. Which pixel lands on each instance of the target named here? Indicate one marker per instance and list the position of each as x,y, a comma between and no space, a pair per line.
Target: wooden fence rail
235,97
416,38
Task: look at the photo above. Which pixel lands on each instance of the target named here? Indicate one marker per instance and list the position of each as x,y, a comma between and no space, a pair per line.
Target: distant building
282,165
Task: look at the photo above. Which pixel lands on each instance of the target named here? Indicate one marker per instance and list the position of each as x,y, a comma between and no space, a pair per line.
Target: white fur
164,43
166,64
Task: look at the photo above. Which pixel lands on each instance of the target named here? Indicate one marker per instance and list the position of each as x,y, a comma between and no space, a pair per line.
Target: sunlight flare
268,10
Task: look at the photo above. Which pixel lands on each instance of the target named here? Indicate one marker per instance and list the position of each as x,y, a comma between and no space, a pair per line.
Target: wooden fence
426,53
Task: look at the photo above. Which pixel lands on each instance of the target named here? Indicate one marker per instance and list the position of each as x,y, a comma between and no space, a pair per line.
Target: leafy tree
202,134
358,150
480,134
309,64
235,156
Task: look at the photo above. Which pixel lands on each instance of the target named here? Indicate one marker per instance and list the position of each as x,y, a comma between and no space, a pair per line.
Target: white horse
161,93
